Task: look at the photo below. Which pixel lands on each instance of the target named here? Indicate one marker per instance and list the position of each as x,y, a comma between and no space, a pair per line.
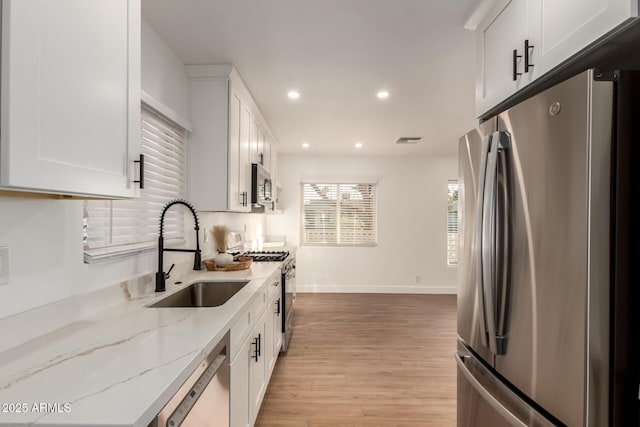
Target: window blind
129,225
339,214
452,223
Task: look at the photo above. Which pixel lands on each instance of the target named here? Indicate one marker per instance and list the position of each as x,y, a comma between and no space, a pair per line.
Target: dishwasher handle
183,409
215,365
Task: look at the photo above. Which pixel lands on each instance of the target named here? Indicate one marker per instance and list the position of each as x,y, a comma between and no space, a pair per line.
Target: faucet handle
166,275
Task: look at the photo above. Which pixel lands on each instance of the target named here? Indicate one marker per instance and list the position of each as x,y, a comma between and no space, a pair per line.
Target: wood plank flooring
366,360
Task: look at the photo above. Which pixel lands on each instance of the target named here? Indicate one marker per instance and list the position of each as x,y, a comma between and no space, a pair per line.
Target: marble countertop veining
118,367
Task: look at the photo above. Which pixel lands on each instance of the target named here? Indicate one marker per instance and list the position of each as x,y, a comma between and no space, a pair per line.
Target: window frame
453,223
338,184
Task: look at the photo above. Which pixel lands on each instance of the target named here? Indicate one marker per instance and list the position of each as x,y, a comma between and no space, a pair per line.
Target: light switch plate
4,265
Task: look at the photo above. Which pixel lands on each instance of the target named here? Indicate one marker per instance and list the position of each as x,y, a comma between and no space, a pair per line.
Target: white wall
163,75
45,236
412,224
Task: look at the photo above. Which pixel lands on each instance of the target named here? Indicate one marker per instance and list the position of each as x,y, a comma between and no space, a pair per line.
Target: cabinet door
71,96
274,176
239,169
245,161
239,398
277,329
254,141
266,154
258,368
566,27
236,198
260,146
498,37
269,357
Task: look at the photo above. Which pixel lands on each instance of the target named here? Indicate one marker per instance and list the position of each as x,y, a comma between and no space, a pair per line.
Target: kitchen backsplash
46,264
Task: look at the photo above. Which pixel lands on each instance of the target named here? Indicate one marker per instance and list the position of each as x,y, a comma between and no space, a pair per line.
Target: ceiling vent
409,140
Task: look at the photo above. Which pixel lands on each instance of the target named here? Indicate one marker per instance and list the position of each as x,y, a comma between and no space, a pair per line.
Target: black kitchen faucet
161,276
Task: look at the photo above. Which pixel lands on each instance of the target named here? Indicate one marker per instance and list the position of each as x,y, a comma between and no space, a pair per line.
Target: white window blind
125,226
452,223
339,214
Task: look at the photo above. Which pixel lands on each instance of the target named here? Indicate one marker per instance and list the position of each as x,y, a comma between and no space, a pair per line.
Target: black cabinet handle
141,162
515,64
278,306
256,349
527,60
244,198
259,344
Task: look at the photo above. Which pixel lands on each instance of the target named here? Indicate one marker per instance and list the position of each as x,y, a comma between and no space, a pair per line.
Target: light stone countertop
118,367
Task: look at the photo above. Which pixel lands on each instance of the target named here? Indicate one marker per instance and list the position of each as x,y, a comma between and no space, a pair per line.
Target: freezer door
471,319
484,401
554,319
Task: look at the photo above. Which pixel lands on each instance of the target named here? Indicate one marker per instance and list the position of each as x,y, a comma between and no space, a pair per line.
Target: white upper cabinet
564,28
221,115
70,109
521,40
274,179
500,60
258,144
266,154
228,135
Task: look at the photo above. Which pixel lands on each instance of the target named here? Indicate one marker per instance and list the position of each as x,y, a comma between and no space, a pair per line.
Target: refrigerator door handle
488,242
486,144
499,142
486,394
503,239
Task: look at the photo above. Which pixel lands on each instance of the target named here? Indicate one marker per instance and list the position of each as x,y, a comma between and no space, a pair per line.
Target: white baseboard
373,289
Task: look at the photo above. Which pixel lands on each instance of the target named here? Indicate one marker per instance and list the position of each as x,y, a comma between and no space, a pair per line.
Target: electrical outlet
418,279
4,265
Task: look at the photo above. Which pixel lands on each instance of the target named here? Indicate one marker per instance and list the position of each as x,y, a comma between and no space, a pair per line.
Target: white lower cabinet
252,364
249,376
258,366
239,387
275,327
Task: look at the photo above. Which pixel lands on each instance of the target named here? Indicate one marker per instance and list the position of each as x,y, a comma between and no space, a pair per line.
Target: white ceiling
338,54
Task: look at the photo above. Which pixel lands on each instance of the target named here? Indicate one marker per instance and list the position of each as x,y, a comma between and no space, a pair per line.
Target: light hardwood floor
366,360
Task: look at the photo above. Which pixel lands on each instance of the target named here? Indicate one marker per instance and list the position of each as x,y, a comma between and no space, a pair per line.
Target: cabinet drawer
247,320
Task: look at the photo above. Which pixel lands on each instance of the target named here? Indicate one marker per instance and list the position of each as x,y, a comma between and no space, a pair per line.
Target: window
339,214
126,226
452,224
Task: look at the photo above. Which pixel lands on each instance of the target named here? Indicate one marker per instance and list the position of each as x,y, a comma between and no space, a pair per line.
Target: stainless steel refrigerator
546,281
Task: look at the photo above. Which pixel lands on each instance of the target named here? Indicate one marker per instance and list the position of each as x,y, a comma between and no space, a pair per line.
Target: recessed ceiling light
305,145
358,144
293,94
383,94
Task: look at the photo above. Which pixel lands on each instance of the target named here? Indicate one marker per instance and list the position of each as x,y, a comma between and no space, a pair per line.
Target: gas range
263,256
287,279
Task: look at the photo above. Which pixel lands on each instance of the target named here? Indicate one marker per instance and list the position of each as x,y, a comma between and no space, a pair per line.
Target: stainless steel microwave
261,194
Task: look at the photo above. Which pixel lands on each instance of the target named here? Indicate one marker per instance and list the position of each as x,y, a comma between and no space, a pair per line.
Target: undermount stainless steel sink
201,294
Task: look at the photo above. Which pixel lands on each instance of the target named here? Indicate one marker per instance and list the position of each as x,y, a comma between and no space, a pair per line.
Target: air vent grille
409,140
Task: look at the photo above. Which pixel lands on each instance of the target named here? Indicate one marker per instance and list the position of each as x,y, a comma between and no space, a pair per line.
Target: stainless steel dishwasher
203,399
